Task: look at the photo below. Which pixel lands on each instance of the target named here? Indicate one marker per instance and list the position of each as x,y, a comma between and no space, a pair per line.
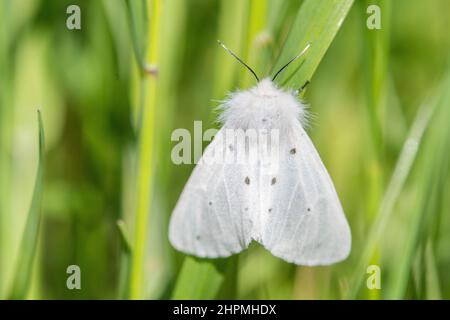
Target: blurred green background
111,93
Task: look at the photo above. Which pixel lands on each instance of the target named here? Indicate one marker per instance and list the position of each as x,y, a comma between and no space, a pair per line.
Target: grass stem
145,155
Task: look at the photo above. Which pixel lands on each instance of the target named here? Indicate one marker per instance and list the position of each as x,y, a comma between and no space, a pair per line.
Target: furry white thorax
263,107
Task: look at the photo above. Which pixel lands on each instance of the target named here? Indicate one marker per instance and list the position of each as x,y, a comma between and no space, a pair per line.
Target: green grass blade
22,277
317,22
396,184
431,169
172,49
124,276
377,60
401,172
233,20
146,159
6,129
124,238
137,19
199,279
433,290
257,47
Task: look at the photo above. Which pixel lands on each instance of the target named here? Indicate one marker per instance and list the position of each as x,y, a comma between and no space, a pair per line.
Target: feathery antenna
292,60
237,58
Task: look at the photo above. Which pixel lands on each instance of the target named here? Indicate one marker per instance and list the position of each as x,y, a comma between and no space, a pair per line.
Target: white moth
286,202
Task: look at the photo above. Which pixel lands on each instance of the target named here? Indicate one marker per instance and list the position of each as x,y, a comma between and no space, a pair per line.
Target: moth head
265,106
266,95
266,88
